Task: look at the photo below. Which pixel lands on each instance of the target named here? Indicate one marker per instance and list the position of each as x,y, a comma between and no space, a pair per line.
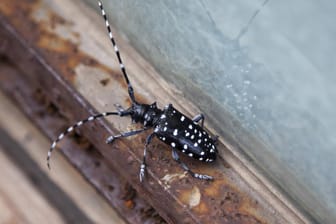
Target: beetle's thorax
147,114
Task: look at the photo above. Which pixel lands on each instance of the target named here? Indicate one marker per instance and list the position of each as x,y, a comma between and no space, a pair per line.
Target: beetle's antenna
73,127
116,50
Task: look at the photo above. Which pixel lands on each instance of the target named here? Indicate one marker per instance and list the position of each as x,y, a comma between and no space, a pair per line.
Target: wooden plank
20,202
24,195
83,155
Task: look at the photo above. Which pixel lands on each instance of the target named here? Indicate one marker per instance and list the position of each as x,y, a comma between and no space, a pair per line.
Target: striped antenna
73,127
116,50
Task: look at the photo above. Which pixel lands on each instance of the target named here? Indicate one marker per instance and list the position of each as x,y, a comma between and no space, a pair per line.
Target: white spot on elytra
187,134
190,126
182,118
164,139
202,153
199,141
70,129
200,134
211,150
173,144
192,137
91,118
201,158
165,129
190,154
185,146
163,116
195,144
175,132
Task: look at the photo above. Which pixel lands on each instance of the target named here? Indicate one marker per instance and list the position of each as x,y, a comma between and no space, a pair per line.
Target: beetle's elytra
169,125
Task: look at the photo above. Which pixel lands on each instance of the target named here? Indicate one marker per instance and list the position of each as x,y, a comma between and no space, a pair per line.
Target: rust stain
229,202
62,53
217,202
202,208
129,204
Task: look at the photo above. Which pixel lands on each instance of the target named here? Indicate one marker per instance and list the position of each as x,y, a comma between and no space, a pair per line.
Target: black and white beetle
170,126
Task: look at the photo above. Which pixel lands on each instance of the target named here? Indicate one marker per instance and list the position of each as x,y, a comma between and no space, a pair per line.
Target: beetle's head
147,114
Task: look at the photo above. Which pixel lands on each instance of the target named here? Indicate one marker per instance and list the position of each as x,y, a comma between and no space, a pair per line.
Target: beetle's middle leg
111,138
186,168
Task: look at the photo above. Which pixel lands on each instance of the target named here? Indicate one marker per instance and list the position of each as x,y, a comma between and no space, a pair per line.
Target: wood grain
21,200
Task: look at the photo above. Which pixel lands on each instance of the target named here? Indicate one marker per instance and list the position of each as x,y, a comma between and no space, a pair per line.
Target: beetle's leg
186,168
119,107
111,138
143,165
199,117
215,139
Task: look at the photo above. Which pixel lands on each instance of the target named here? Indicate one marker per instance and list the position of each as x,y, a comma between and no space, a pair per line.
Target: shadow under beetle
169,125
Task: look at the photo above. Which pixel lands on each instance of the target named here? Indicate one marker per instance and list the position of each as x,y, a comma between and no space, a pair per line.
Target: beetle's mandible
168,124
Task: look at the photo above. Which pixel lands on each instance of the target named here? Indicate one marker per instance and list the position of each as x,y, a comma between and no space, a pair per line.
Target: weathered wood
61,58
21,142
20,201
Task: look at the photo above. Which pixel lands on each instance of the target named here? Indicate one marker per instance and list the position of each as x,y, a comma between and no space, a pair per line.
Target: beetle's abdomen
180,132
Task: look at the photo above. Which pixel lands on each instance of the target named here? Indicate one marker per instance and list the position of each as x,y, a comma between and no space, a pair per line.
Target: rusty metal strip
51,66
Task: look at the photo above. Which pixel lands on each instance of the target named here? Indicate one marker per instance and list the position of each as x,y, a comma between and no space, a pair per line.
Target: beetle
169,125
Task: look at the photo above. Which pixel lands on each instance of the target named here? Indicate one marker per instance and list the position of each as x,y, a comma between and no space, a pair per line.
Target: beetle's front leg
143,165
